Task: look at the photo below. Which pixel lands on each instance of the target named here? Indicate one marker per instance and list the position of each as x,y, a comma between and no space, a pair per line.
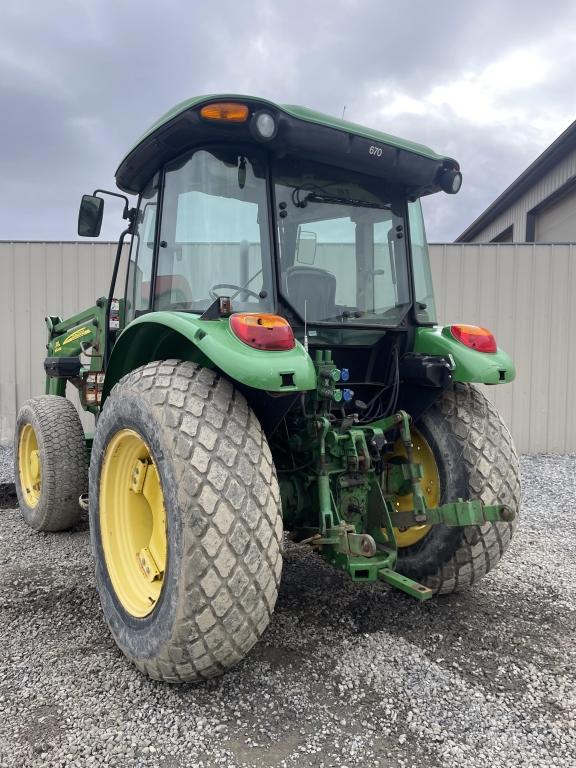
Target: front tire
476,459
207,530
50,464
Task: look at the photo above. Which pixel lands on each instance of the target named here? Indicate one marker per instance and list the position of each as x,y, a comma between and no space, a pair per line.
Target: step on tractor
269,361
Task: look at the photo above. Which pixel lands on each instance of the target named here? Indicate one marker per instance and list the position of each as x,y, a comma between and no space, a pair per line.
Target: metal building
540,206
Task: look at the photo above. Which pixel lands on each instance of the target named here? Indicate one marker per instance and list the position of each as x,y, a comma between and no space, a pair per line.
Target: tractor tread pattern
229,494
63,455
487,450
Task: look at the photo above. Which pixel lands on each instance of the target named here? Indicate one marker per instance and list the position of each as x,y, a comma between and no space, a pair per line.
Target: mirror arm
128,213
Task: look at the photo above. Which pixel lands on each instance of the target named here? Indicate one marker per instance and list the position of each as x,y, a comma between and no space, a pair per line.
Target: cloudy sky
490,83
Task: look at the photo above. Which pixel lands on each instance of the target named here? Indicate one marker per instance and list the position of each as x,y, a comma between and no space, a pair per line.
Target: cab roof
303,132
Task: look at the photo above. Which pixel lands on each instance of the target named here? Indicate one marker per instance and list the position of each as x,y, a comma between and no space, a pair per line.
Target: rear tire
223,526
476,459
50,463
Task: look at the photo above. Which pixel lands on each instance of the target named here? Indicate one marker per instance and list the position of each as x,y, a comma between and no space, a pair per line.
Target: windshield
342,245
214,235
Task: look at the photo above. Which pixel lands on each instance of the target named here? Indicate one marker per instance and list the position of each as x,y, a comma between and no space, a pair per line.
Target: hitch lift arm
365,545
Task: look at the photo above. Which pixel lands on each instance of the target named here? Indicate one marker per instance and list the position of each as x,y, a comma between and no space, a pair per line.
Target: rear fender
211,343
469,364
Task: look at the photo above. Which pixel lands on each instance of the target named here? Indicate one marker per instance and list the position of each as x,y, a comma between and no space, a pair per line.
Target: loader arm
67,340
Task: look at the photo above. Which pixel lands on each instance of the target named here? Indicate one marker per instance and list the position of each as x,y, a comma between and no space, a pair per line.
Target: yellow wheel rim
133,523
430,482
29,465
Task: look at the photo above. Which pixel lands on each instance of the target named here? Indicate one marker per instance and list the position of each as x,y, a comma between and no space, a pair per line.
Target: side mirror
90,216
306,247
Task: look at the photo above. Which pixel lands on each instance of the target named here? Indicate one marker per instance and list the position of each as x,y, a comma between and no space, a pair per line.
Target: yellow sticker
57,346
77,334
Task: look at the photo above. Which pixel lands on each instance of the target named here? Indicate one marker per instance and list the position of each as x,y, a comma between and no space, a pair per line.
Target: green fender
470,365
164,335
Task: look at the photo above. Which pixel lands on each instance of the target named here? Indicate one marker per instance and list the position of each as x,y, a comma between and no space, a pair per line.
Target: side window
423,288
214,234
142,253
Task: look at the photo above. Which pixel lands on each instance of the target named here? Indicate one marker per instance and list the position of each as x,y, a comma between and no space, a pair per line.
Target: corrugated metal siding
39,279
557,221
516,214
524,293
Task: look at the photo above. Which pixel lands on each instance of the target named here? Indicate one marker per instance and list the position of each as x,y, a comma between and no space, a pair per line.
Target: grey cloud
80,81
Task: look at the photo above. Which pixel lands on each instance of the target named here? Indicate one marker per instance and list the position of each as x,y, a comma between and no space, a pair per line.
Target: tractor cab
280,210
305,240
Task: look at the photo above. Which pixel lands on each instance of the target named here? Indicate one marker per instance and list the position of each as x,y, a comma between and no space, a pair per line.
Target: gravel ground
7,492
6,464
346,674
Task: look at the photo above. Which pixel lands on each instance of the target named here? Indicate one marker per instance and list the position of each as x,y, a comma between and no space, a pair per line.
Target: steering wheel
237,288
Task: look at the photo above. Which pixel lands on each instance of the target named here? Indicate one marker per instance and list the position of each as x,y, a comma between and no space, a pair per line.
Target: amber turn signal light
263,331
227,111
480,339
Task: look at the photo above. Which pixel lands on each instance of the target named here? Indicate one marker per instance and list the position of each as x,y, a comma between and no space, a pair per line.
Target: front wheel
50,467
474,458
185,521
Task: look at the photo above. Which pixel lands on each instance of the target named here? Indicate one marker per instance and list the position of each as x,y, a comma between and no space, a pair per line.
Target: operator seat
314,288
172,291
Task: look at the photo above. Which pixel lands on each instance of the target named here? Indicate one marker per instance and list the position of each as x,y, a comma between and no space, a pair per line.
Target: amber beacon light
225,111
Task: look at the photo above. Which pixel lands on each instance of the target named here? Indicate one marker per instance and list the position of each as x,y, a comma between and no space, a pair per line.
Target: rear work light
226,111
264,125
480,339
263,331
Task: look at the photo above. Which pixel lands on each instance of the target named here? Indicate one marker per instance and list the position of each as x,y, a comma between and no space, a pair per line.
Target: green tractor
275,363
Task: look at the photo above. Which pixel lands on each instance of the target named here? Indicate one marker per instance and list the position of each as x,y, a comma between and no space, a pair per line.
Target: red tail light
480,339
263,331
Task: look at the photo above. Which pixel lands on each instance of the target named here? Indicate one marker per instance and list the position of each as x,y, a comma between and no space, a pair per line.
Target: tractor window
142,254
423,289
214,237
342,246
334,244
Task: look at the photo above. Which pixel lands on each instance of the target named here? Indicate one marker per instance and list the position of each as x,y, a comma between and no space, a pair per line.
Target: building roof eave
536,170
